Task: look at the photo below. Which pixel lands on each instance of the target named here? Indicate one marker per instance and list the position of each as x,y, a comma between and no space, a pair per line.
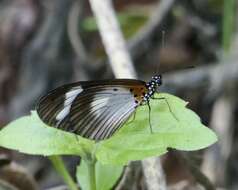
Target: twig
154,176
140,41
215,159
112,39
39,59
6,185
197,174
122,181
122,67
213,77
129,180
183,185
84,58
74,37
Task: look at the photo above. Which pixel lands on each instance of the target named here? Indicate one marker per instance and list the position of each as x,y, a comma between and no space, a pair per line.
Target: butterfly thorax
151,86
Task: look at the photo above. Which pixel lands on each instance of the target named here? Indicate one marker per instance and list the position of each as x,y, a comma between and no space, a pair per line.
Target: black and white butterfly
95,109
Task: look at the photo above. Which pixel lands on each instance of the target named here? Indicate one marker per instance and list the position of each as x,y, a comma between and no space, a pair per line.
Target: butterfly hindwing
93,109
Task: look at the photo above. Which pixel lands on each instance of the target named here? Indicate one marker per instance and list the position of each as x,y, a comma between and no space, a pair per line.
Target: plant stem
228,23
91,171
61,169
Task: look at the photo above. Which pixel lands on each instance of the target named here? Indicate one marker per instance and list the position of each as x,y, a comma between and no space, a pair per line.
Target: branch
213,77
154,175
197,174
129,180
140,41
74,37
122,67
39,59
113,40
215,159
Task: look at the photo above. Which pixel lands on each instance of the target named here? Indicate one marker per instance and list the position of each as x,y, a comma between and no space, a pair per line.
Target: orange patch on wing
139,92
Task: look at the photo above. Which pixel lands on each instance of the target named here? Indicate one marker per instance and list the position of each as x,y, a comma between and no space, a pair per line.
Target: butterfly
95,109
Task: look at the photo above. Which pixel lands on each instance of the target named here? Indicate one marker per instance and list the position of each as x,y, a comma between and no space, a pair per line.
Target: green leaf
30,135
135,141
106,175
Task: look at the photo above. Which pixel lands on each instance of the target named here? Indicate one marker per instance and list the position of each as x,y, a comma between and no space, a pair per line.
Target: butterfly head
157,80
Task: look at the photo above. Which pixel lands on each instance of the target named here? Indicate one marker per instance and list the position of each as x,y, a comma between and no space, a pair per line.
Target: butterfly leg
134,116
165,99
148,103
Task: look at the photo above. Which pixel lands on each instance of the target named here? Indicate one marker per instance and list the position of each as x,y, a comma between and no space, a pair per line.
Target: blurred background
44,44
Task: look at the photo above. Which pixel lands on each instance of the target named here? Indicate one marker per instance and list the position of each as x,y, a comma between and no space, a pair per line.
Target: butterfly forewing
94,109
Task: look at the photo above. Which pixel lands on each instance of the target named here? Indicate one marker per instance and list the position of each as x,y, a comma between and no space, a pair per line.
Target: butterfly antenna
162,46
178,69
163,38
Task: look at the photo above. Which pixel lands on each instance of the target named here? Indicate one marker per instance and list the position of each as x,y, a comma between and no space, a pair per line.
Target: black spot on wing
97,123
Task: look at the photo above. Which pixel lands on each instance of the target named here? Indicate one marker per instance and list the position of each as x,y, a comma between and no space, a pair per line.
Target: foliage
106,175
174,126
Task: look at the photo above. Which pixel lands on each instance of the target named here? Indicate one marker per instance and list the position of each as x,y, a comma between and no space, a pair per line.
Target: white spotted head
152,85
157,79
